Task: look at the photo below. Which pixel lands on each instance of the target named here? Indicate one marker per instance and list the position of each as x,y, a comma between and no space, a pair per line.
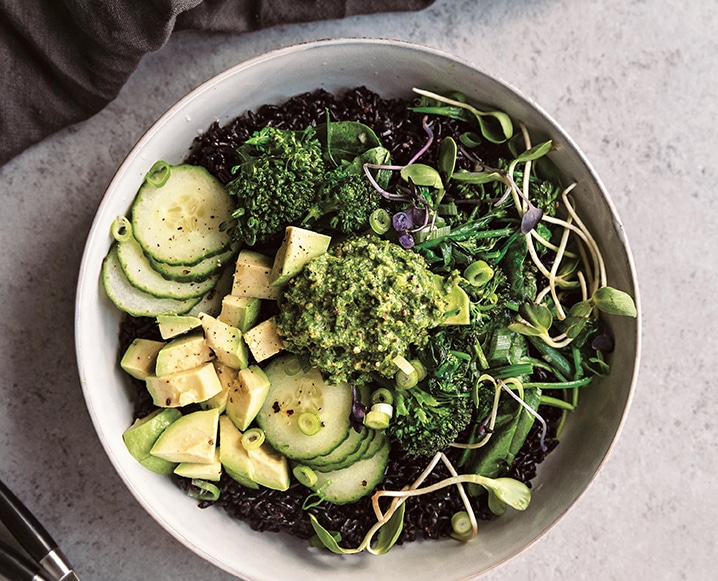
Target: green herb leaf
581,309
524,328
614,302
447,157
389,532
535,152
513,492
537,315
328,539
422,175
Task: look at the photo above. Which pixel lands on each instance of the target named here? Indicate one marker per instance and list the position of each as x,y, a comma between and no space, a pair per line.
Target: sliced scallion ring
121,229
252,439
203,490
305,475
382,395
158,174
380,221
309,423
376,420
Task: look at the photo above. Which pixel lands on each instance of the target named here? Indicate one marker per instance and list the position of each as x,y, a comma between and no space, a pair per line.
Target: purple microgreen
429,140
603,342
406,240
356,418
375,184
531,218
402,221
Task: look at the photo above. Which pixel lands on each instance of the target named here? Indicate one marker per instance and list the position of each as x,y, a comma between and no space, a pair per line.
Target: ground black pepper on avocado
268,510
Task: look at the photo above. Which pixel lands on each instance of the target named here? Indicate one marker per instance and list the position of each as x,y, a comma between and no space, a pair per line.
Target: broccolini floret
275,183
344,203
431,415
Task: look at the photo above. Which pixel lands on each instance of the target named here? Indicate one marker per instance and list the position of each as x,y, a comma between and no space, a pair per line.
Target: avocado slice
192,438
211,471
171,326
181,354
298,247
184,387
226,376
140,357
269,467
225,341
142,435
232,454
263,340
240,312
247,395
251,276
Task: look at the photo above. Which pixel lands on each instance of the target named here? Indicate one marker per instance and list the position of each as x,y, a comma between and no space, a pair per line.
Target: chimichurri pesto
353,310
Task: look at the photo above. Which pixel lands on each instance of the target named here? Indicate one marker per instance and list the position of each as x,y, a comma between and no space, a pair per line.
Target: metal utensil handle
28,531
16,567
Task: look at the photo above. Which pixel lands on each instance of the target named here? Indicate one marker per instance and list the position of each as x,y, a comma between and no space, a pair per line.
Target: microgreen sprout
358,411
529,409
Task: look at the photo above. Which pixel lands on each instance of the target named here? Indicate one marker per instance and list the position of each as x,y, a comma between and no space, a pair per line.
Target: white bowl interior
392,69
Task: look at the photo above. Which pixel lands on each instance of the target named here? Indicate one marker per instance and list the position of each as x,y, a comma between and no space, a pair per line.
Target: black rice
401,132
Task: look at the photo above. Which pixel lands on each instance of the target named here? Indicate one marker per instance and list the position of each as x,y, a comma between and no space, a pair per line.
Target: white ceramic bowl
390,68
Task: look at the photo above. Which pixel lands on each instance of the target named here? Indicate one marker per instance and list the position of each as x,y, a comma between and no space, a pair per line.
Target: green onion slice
309,423
305,475
252,439
158,174
380,221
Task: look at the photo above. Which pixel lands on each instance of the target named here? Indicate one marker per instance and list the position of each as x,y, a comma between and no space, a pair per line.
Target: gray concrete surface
633,81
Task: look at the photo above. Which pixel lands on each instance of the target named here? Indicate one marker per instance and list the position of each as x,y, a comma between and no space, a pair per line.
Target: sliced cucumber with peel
356,480
178,221
141,275
292,392
133,301
203,270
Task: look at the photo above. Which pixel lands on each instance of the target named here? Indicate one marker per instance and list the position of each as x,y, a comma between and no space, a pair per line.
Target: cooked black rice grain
268,510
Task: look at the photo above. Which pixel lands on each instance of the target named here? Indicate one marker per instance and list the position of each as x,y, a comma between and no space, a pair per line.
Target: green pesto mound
354,309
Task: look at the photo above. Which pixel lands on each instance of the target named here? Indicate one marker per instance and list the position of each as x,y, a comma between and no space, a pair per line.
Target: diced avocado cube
211,471
225,341
269,467
184,387
240,312
192,438
226,376
142,435
263,340
182,353
140,357
233,455
171,326
251,277
247,395
298,247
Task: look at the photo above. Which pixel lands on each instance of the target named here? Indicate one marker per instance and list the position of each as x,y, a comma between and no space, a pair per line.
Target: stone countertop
633,82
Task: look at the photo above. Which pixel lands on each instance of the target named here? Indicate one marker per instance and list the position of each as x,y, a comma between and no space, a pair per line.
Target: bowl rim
87,286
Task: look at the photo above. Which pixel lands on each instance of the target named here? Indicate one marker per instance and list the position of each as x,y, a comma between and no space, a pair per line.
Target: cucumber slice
292,392
350,447
178,222
141,275
353,482
131,300
203,270
372,440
